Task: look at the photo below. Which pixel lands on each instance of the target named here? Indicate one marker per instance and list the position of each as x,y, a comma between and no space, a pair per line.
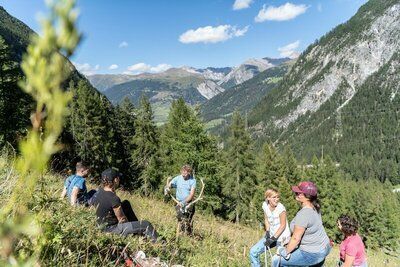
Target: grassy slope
73,239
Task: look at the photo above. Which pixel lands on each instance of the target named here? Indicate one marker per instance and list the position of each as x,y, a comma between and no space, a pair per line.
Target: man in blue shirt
185,185
75,186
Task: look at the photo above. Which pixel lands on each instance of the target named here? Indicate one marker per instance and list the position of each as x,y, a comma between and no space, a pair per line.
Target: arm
172,183
119,213
282,221
296,238
74,195
348,261
266,223
63,193
190,196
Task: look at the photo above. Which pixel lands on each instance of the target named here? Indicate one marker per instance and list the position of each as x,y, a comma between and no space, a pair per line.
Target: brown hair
314,201
349,225
81,165
187,168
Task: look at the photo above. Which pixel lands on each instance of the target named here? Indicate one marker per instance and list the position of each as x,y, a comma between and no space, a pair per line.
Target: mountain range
195,86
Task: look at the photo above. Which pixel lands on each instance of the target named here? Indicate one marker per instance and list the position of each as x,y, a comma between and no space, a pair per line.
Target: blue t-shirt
75,181
183,186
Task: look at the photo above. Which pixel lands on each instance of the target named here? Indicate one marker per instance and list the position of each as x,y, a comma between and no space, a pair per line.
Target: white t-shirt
275,223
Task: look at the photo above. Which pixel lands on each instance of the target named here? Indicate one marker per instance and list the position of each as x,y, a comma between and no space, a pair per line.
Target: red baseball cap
307,188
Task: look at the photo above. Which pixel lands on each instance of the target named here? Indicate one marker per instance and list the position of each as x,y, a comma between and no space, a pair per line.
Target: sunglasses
297,193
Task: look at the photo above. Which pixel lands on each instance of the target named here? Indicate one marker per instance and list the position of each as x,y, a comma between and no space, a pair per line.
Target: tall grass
45,70
71,238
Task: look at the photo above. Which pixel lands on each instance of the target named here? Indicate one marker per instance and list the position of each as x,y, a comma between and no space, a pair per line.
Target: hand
283,253
166,190
270,241
267,235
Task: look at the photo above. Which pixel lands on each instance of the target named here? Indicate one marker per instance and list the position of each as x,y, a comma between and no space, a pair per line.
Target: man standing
185,185
75,186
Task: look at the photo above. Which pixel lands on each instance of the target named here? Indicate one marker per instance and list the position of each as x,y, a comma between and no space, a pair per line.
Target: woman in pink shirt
352,250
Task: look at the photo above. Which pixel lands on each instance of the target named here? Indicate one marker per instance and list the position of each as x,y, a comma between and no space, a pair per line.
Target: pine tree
240,176
92,126
292,171
125,120
331,193
274,171
184,140
145,156
376,209
176,138
14,104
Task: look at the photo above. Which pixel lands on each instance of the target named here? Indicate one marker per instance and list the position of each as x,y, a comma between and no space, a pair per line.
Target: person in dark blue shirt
75,186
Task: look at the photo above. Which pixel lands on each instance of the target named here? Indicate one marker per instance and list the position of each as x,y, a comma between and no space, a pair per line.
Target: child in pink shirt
352,249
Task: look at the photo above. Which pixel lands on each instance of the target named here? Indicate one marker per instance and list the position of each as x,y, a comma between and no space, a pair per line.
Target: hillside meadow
69,236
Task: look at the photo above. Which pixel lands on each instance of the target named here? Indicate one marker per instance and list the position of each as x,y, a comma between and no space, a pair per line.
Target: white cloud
113,67
211,34
290,50
123,44
287,11
139,67
319,7
86,68
242,4
143,67
160,68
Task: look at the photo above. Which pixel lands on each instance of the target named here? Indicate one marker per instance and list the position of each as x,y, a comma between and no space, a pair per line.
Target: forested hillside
340,96
160,93
242,97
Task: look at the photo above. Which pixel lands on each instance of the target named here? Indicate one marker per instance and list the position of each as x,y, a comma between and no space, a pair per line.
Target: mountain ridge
313,107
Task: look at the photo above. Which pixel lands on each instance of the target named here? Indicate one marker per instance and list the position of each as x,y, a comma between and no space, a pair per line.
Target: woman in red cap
309,243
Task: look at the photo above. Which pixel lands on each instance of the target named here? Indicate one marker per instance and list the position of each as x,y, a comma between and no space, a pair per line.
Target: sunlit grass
73,239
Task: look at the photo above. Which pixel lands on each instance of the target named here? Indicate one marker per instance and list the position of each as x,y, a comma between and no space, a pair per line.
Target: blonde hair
269,192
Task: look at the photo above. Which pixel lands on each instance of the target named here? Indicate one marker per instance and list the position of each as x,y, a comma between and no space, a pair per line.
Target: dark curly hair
349,225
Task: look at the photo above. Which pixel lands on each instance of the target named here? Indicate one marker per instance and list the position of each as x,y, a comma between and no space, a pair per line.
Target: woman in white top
276,227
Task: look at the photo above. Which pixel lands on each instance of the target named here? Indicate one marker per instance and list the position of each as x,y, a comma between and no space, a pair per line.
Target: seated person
352,249
276,226
114,216
309,244
75,186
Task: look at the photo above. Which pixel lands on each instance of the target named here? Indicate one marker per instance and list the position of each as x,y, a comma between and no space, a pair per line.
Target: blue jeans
257,250
302,258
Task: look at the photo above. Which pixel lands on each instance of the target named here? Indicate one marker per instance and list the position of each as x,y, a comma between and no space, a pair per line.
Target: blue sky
134,36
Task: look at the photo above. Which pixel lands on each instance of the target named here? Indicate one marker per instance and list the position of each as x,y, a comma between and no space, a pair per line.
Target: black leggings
128,211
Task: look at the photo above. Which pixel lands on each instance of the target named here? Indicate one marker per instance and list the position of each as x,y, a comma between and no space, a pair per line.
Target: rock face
352,64
209,89
245,71
343,59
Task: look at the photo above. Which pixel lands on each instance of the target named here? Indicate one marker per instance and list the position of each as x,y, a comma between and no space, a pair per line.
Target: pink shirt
353,246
